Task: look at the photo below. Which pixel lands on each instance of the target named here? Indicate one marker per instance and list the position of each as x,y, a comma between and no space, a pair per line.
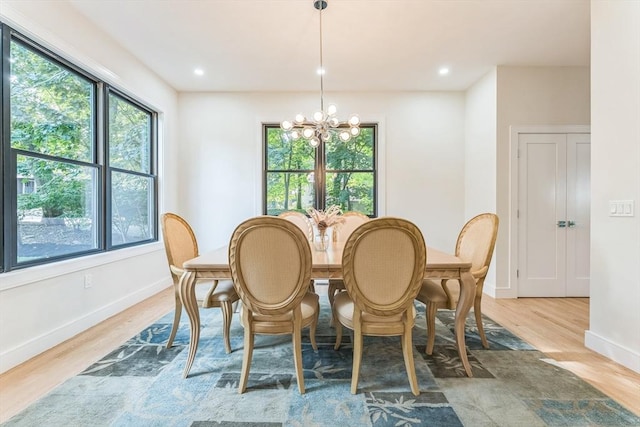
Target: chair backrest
383,265
180,242
476,242
270,260
352,220
301,220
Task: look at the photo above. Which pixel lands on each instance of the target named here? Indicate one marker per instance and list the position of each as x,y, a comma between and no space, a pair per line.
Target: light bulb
326,136
299,118
318,116
354,120
334,122
344,136
331,109
308,132
286,125
314,142
295,135
355,131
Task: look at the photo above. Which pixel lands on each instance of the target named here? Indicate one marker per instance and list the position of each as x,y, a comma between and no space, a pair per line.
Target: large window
298,176
78,160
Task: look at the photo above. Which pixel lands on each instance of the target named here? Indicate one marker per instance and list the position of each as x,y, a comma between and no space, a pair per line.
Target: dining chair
301,220
180,245
475,243
383,264
304,223
270,260
352,220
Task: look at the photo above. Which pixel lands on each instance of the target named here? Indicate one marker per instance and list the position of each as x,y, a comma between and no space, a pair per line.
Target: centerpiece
323,220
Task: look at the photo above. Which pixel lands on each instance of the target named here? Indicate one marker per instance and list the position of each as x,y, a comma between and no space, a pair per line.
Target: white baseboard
20,354
619,354
499,293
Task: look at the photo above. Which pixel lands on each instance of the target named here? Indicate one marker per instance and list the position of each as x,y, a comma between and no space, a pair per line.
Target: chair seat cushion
309,307
223,292
431,291
343,306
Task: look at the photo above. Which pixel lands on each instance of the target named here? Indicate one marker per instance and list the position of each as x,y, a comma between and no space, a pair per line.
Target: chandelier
323,124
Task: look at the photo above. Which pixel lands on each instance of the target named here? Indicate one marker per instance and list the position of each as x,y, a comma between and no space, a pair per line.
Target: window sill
17,278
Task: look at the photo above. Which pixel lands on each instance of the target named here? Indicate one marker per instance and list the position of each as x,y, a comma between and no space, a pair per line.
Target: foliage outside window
67,178
132,212
298,176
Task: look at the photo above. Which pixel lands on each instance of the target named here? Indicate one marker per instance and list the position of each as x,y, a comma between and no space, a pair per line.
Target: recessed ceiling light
443,71
198,72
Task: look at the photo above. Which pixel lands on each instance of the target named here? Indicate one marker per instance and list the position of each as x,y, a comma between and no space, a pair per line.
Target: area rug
140,383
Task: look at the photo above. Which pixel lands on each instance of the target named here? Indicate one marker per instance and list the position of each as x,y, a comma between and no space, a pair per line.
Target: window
298,176
79,155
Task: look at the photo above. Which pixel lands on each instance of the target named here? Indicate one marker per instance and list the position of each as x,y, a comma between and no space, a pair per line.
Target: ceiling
368,45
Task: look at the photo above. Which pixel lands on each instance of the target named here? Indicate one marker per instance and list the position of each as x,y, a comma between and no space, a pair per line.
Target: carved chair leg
431,326
227,313
176,320
476,309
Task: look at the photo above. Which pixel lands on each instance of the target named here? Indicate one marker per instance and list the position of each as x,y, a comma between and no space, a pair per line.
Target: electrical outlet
88,281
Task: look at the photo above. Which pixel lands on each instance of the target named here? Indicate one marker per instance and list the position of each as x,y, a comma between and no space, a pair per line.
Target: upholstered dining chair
304,223
180,245
383,265
352,220
475,243
270,260
301,220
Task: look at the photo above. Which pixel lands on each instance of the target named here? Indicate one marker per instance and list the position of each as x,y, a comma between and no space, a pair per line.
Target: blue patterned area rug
141,384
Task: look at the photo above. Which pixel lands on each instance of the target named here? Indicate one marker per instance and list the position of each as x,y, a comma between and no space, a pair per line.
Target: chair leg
478,314
297,355
331,291
312,329
227,313
246,358
431,311
407,352
357,358
338,327
450,303
176,319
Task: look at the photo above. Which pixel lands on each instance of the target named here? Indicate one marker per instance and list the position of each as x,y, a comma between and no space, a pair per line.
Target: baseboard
20,354
499,293
619,354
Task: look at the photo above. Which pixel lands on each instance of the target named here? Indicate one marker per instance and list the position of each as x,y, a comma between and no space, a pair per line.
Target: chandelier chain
323,125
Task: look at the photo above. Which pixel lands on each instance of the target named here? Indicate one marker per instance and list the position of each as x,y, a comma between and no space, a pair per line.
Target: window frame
99,159
320,170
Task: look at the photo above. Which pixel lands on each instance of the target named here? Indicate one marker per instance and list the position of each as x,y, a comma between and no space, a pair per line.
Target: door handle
571,224
562,224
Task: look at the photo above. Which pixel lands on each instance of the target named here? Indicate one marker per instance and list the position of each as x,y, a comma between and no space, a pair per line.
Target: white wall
614,327
43,306
530,96
421,139
480,154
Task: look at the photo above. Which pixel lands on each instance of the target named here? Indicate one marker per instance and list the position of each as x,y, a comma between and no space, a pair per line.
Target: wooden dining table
326,265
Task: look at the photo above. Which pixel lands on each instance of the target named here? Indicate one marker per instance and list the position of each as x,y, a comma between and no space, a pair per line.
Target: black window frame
320,170
100,158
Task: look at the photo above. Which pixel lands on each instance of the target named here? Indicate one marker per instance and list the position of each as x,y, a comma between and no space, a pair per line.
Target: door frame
514,135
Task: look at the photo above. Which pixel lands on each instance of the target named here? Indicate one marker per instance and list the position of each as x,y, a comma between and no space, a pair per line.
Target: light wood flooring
555,326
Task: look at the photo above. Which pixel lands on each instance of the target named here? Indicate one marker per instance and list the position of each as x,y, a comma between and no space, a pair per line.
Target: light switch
621,207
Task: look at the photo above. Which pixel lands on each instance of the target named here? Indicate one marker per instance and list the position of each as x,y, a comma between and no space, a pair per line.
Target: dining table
326,264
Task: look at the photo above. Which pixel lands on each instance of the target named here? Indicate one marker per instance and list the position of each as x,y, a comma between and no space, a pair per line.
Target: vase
321,240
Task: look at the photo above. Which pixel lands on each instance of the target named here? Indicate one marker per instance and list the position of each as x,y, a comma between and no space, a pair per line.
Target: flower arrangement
324,219
327,218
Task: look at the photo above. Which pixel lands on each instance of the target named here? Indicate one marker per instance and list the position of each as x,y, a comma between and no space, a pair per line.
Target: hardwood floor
555,326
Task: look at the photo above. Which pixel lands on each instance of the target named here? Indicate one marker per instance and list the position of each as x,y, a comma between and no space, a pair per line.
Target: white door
553,214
